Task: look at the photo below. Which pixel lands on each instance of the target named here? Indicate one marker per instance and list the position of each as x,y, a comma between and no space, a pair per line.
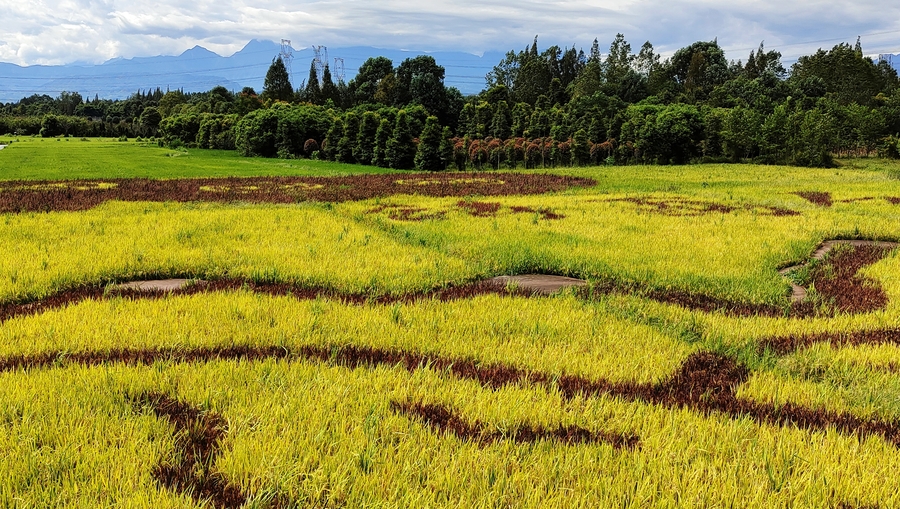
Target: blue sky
92,31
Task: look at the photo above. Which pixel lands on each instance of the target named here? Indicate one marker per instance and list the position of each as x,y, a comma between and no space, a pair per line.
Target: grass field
351,380
71,158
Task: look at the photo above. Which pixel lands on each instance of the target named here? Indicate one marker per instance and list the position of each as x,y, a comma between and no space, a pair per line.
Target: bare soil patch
543,284
40,196
156,285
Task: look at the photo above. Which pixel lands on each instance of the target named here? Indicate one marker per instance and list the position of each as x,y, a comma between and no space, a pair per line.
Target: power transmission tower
339,68
321,57
287,56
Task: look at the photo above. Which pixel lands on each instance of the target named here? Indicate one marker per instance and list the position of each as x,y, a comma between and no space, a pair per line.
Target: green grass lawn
71,158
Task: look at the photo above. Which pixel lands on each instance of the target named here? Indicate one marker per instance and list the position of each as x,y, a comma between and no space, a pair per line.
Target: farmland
338,347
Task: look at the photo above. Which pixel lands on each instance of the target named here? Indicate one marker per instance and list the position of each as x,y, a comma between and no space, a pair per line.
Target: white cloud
42,32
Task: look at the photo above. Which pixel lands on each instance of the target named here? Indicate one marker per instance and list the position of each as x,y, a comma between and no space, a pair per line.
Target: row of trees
558,106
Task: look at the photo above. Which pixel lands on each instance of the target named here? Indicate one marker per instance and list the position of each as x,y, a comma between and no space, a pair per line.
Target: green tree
51,126
618,61
581,148
247,101
344,152
277,85
169,102
313,92
382,138
428,153
332,140
329,89
740,133
484,114
468,122
447,147
699,68
401,148
255,134
150,119
844,74
590,81
538,124
365,140
505,73
811,135
364,86
520,114
501,127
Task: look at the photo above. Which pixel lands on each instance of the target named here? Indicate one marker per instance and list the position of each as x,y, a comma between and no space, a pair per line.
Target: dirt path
799,293
157,285
542,284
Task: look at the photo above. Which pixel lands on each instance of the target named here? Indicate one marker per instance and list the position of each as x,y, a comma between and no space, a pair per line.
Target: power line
320,59
339,68
287,56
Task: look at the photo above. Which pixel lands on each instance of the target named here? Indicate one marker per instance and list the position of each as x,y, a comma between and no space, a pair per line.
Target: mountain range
199,70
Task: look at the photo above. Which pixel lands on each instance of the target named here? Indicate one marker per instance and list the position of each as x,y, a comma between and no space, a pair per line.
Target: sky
93,31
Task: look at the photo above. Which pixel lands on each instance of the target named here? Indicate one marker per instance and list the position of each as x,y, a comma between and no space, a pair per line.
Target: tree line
539,108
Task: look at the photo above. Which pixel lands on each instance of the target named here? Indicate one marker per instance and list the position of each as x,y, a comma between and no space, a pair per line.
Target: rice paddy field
339,343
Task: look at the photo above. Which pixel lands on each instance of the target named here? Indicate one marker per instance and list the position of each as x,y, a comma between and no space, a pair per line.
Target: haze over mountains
199,70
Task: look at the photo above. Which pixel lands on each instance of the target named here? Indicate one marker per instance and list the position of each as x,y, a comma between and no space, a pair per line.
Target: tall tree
332,140
428,153
618,61
344,152
501,125
277,85
364,86
313,90
401,148
365,140
446,148
382,138
844,74
646,60
329,89
699,68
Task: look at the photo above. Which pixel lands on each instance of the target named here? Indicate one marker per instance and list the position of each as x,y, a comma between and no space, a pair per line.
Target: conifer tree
345,147
332,139
365,139
277,85
501,125
401,149
329,89
382,136
428,154
313,91
446,148
581,150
